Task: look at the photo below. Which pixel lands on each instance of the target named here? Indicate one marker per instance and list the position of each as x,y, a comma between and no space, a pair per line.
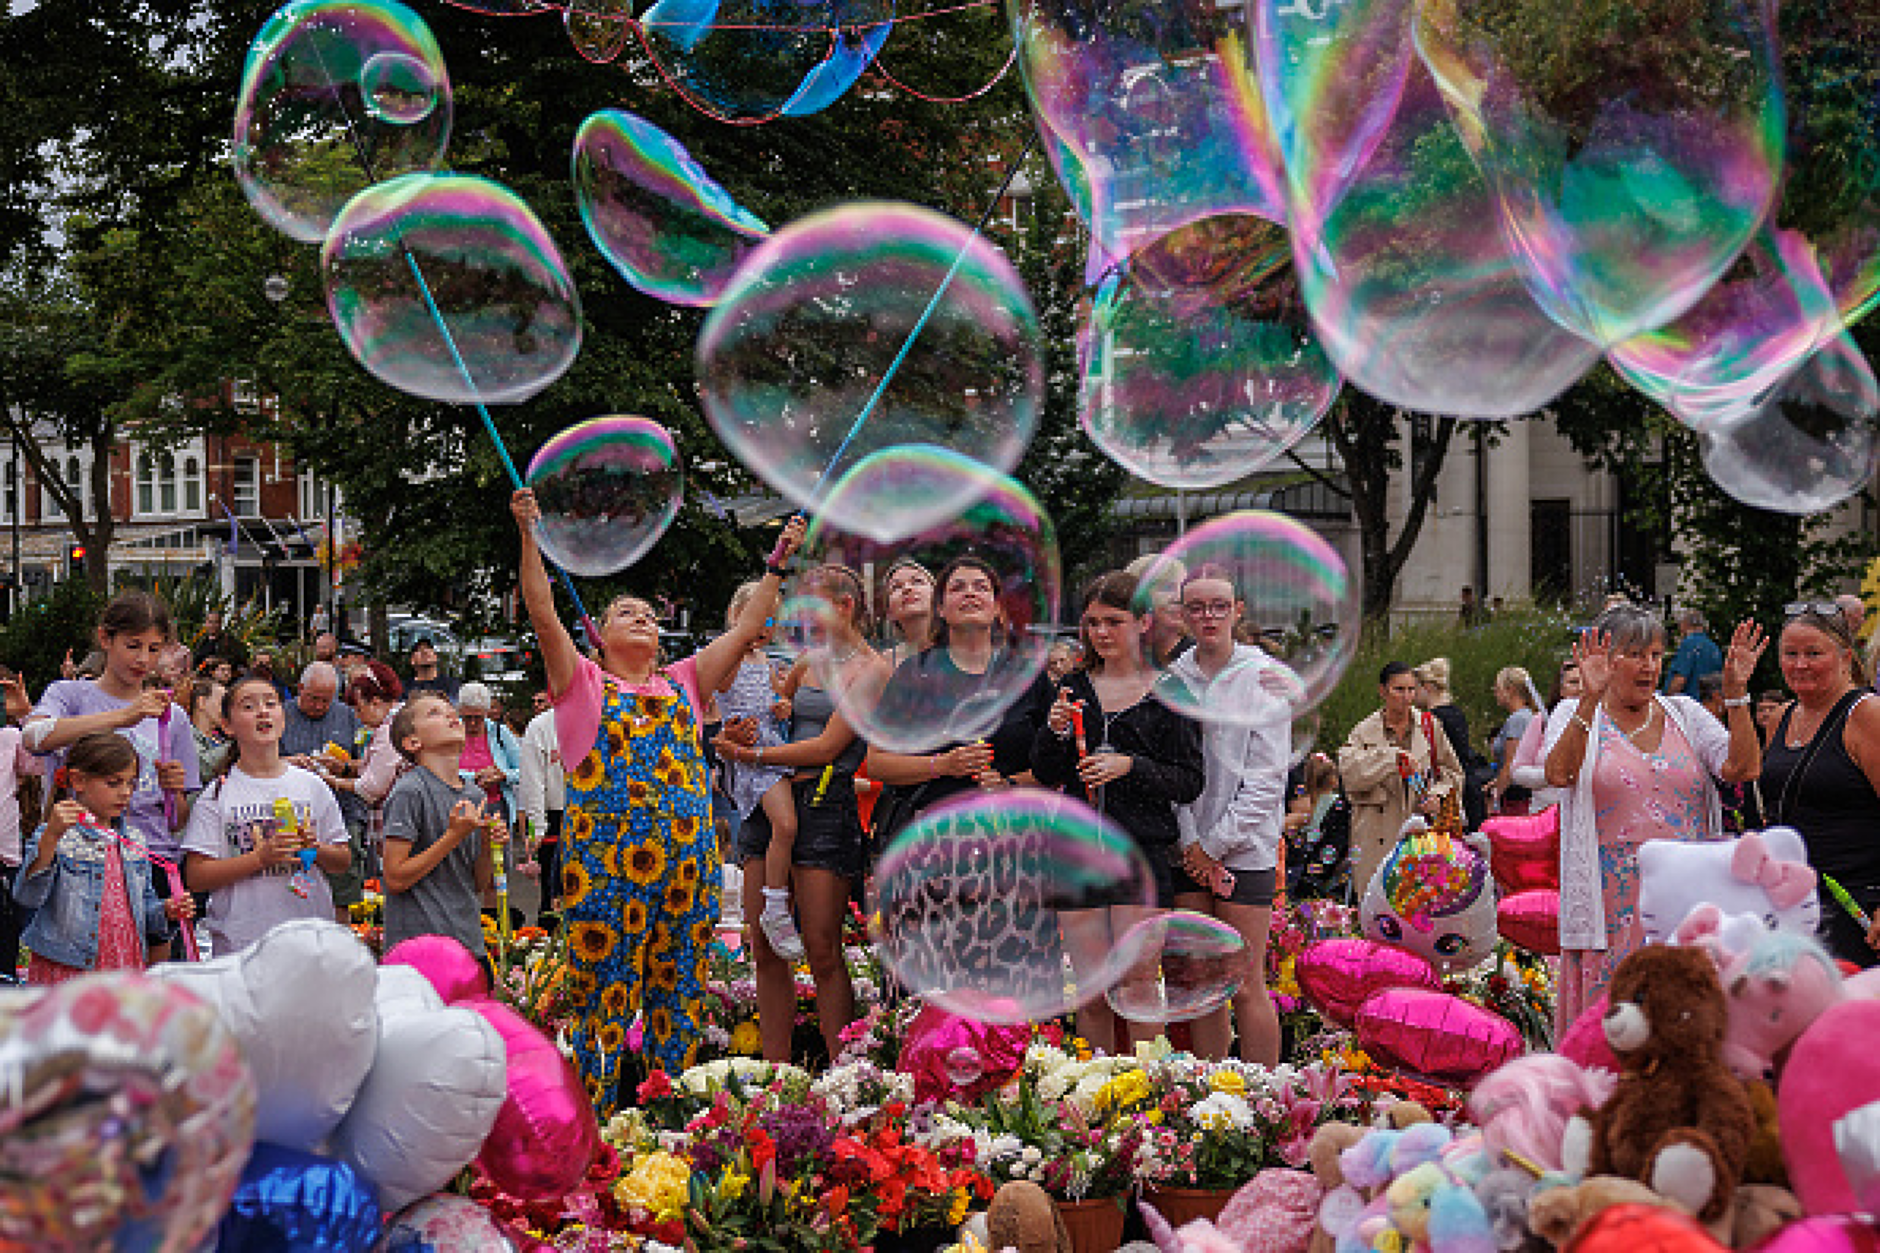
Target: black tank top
1832,804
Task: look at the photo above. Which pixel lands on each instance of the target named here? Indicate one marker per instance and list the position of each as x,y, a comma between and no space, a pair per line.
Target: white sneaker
780,930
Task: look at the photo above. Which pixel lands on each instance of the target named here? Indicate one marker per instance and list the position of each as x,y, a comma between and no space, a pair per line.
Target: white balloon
299,1003
434,1092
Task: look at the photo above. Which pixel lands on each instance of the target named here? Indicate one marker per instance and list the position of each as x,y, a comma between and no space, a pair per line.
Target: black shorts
1251,887
829,835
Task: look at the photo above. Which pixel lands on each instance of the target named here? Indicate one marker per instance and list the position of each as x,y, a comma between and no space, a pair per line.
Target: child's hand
276,848
782,709
527,512
497,830
65,816
171,776
18,704
180,908
465,817
150,703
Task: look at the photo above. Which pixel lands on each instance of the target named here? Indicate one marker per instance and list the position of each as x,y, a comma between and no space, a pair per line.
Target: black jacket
1165,748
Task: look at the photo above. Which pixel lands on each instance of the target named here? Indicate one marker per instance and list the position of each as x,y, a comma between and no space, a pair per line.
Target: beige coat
1380,799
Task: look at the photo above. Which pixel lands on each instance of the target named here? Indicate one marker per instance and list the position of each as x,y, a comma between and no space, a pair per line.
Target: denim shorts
1251,887
829,835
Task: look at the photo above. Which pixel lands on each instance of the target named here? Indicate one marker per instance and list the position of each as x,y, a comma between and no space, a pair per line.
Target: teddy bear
1678,1121
1023,1217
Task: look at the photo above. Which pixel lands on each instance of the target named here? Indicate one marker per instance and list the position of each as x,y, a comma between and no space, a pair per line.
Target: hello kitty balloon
1434,895
1763,874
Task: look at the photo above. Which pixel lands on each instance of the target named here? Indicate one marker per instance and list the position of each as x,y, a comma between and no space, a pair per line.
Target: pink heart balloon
1531,920
1434,1035
957,1058
1338,976
1585,1040
451,968
1832,1233
1525,851
1832,1070
545,1136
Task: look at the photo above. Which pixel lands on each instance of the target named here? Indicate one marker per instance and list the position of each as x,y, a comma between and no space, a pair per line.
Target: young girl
754,694
245,838
91,883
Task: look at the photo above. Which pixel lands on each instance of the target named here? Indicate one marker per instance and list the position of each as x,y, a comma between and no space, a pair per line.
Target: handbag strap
1837,718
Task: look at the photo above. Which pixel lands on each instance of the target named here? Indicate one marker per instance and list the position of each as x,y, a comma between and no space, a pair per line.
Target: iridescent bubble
599,29
999,629
336,95
1632,150
660,219
1415,297
1305,733
977,905
799,346
1808,447
964,1066
754,60
1275,576
1198,375
1831,188
1190,966
448,287
1155,101
608,488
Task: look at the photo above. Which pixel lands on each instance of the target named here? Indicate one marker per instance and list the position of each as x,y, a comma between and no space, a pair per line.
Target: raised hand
1739,661
1592,653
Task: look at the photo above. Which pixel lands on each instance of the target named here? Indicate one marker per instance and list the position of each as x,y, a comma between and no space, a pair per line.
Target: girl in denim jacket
97,907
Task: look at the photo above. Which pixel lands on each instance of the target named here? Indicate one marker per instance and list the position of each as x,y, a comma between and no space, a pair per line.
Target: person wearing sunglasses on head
1821,771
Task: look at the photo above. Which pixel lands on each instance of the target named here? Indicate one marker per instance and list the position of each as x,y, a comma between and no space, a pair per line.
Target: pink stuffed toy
1524,1106
1833,1071
1273,1213
1777,990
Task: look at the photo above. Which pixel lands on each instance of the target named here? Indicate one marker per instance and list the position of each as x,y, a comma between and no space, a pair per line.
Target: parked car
404,631
496,660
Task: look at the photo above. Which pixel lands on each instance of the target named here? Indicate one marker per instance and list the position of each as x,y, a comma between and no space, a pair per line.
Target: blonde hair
739,599
1434,673
1517,680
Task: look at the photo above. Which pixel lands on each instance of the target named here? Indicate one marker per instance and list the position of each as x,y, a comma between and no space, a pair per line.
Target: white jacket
1238,816
1582,891
543,786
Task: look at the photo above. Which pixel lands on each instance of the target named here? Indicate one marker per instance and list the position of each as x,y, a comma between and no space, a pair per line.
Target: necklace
1651,714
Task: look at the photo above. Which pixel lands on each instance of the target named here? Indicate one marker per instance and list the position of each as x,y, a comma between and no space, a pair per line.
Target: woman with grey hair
1634,766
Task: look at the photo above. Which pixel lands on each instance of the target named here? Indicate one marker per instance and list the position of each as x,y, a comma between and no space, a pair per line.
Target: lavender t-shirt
75,698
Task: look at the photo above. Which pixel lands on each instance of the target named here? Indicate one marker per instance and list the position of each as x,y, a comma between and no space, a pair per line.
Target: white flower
1032,1155
1222,1111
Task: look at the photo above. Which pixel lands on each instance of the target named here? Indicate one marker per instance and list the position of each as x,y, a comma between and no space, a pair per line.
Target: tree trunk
1364,433
97,537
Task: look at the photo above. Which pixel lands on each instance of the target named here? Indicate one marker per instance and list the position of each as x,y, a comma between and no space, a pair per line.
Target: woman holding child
640,874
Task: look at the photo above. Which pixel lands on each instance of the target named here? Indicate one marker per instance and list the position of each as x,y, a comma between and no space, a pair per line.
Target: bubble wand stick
163,738
1847,902
300,883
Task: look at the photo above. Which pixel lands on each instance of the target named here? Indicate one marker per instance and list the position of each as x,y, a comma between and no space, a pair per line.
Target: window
75,479
245,396
315,495
247,487
192,485
13,494
146,486
166,481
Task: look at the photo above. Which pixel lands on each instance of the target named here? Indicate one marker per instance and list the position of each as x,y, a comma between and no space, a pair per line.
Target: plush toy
1559,1214
1431,1207
1764,875
1833,1072
1434,896
1503,1195
1023,1217
1340,1202
1678,1120
1523,1106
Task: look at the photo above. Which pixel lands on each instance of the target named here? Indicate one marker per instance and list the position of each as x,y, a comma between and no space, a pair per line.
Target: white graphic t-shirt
230,817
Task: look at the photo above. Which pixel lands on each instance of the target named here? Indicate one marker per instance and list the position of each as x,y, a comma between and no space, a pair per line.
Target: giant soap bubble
1809,445
608,488
977,905
1277,577
335,96
1415,296
447,286
657,216
1190,965
816,318
754,60
1198,376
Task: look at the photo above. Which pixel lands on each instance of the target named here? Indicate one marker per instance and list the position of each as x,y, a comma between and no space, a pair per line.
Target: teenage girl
250,828
89,881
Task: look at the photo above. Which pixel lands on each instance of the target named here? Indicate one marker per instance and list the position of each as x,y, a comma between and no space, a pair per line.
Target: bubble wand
171,872
300,883
1846,901
499,879
163,739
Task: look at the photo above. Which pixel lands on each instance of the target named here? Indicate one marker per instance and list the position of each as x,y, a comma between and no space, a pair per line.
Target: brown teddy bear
1023,1217
1678,1121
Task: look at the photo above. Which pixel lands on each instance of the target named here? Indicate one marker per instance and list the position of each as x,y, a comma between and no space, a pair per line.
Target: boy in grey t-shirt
438,836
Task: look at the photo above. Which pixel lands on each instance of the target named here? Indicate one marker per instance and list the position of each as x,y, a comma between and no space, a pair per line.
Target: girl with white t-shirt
249,829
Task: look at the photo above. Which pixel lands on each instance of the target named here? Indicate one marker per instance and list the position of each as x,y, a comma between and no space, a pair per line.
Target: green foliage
193,596
1534,637
40,635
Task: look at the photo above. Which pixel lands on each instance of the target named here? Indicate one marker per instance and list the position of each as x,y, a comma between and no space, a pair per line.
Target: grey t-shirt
446,901
302,736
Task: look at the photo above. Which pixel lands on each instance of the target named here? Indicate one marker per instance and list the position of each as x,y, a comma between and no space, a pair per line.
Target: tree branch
1327,481
49,478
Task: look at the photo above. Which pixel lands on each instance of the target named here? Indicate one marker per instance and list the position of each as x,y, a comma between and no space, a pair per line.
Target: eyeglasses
1815,608
1209,608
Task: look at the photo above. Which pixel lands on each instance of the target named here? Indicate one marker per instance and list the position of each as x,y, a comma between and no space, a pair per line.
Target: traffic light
75,561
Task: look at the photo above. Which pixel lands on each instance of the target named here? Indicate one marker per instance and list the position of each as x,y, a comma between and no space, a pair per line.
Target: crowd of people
194,796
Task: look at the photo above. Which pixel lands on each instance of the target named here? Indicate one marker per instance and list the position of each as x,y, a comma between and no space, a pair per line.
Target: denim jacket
68,896
506,756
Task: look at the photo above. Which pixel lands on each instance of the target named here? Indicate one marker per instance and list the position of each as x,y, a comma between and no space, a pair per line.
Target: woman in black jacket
1137,760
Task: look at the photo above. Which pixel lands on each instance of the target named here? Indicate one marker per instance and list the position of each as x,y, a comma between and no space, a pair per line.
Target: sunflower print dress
640,882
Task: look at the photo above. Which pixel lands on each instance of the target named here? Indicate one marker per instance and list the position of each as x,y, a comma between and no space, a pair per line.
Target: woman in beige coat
1396,763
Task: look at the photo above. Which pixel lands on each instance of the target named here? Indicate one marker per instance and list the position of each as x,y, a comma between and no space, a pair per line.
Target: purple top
75,698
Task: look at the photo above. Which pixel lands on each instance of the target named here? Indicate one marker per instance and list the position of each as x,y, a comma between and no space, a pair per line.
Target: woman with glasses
1634,766
1821,770
1138,760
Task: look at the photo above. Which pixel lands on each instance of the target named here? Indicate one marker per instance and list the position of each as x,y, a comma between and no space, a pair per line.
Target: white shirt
230,815
542,787
1238,817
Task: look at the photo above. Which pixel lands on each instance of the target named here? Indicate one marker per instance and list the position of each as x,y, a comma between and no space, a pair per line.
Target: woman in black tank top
1821,771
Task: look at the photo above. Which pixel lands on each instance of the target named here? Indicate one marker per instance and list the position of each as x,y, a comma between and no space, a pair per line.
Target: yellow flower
578,826
957,1214
746,1039
590,772
614,1000
1083,1049
610,1038
1229,1081
645,863
687,872
633,917
679,898
1124,1090
575,884
732,1184
659,1022
592,941
659,1183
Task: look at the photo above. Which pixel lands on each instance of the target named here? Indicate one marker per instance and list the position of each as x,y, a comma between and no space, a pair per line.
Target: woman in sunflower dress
640,863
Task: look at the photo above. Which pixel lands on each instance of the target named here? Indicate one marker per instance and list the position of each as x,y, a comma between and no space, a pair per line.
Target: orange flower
837,1201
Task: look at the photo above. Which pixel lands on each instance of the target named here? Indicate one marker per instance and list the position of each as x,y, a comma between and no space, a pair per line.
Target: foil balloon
1531,920
437,1083
1339,975
445,1222
450,968
954,1058
1638,1228
608,488
1585,1042
1437,1036
299,1003
1524,852
545,1136
290,1200
128,1116
1433,896
1828,1233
